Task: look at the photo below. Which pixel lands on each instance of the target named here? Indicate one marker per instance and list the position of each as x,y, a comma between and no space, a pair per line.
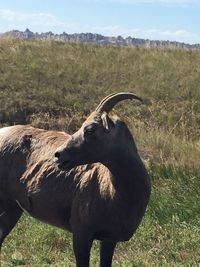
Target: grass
55,86
168,236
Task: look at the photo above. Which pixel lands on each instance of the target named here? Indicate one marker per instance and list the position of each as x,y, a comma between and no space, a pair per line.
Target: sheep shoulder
29,175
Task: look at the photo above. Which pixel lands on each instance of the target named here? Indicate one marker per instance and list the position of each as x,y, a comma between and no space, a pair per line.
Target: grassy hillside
55,86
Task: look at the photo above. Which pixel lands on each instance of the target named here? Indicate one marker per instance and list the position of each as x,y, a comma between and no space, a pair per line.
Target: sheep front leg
106,253
82,245
10,213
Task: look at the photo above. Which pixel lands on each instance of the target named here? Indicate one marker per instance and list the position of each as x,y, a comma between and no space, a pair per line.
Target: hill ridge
96,38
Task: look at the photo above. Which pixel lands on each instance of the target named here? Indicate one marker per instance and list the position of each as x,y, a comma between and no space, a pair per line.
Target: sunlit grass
54,85
168,236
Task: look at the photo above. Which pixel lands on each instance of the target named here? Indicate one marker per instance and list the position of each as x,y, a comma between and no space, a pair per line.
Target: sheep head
97,138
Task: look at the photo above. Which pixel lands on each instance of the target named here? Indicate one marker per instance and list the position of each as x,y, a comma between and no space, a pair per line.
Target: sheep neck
129,175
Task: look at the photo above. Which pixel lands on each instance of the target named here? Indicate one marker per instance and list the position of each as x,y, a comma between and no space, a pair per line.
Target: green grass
168,236
55,86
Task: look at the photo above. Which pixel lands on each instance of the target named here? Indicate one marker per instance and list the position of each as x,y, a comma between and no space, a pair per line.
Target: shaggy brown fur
104,201
29,176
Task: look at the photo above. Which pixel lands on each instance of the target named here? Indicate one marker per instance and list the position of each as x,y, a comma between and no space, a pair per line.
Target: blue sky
177,20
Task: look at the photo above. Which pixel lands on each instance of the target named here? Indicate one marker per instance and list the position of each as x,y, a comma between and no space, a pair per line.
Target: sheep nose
57,155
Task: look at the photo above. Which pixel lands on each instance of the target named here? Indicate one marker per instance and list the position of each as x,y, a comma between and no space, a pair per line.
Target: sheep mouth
66,164
63,164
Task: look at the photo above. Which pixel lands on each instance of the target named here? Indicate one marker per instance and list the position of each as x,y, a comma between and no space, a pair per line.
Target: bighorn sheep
105,198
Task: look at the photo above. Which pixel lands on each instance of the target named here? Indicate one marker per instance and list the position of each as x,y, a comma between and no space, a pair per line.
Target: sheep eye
90,130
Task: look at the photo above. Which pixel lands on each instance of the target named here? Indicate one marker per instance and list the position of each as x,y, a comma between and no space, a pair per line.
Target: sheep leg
10,213
106,253
82,246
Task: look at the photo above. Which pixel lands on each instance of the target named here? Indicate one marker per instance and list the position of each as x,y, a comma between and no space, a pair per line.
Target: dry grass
55,85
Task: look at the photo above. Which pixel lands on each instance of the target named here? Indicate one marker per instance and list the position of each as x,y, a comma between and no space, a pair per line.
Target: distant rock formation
98,39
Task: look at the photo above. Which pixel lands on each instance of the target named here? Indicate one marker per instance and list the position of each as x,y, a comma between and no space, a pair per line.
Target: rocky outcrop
98,39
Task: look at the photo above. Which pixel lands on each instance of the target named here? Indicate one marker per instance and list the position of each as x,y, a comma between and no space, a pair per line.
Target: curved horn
104,100
110,101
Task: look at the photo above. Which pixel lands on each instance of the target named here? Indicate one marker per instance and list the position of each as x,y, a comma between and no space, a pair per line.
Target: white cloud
10,20
171,3
158,1
16,20
182,3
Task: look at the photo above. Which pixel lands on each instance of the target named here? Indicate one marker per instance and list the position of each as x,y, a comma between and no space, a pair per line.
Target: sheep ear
107,122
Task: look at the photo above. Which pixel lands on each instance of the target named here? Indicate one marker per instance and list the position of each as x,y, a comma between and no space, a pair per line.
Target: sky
174,20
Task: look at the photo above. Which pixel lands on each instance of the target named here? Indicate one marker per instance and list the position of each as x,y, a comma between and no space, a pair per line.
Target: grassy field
55,86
